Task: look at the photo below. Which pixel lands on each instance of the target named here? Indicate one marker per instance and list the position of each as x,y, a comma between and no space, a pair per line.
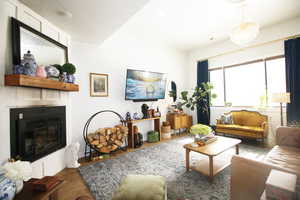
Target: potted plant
69,70
199,131
200,98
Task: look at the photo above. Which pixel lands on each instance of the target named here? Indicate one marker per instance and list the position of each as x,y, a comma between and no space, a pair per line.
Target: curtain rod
253,46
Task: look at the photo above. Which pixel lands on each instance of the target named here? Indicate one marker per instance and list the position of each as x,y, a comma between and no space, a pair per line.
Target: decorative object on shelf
105,140
153,136
52,71
18,69
151,113
63,77
173,92
128,116
157,113
72,155
166,130
246,31
70,70
138,137
145,108
29,64
41,72
18,171
7,188
281,98
199,131
98,85
58,67
136,116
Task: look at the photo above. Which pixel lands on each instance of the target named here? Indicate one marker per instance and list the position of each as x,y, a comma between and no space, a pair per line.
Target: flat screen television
145,86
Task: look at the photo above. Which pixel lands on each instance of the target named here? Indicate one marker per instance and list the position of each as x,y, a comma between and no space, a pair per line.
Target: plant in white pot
17,172
199,131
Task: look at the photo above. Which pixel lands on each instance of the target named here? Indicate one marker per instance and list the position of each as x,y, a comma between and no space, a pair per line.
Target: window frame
264,60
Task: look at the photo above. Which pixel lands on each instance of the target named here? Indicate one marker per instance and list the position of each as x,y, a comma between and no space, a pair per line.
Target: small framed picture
98,85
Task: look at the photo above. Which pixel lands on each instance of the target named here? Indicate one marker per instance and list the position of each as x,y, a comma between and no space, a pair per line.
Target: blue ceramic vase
29,64
70,78
7,188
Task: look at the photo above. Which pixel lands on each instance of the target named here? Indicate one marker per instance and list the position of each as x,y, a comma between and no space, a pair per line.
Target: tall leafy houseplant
200,98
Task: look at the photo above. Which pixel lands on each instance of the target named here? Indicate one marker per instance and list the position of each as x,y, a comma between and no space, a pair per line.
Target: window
216,77
249,84
245,84
276,78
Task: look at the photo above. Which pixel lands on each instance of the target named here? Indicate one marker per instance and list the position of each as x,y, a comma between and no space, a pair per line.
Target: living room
183,43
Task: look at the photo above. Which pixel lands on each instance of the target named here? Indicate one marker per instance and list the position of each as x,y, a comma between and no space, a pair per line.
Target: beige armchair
248,176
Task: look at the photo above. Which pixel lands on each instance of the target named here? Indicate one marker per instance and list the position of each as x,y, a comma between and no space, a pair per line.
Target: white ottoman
146,187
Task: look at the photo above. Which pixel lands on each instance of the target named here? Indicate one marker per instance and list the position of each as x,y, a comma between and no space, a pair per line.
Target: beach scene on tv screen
145,85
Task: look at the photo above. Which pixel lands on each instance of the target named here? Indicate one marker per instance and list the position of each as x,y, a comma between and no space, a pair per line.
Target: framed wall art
98,85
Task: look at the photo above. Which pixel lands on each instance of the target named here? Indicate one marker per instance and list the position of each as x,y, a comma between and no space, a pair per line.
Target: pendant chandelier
245,32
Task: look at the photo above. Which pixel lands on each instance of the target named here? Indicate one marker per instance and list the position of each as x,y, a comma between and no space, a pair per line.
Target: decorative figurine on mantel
72,155
145,108
28,65
41,72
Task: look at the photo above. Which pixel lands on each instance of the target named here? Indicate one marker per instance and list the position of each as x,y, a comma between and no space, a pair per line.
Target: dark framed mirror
46,50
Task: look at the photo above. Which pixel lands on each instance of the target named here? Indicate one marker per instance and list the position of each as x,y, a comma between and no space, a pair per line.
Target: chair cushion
241,128
137,187
285,157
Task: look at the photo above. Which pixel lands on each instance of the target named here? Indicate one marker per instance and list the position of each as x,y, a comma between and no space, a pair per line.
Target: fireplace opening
37,131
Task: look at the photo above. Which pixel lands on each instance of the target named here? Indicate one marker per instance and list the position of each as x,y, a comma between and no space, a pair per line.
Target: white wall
12,97
114,57
271,33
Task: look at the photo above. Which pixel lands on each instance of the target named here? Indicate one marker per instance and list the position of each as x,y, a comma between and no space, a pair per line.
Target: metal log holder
89,149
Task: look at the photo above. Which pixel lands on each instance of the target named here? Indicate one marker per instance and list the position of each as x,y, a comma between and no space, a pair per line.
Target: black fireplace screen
37,132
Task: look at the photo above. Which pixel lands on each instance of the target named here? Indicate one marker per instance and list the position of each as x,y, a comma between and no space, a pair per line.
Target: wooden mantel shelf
37,82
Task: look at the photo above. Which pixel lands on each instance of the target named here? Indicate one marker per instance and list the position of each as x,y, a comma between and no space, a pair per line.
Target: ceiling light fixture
245,32
65,14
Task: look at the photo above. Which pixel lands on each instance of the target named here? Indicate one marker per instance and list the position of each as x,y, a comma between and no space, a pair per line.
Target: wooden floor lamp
281,98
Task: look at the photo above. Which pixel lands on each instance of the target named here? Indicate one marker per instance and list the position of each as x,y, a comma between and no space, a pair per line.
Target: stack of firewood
108,139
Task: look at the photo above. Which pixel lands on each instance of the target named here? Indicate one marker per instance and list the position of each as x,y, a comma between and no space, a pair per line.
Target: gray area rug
168,160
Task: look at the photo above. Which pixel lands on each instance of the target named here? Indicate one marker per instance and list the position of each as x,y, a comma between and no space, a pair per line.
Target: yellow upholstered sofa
246,123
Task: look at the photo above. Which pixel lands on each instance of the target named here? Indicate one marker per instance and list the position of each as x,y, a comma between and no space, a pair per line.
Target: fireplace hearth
37,131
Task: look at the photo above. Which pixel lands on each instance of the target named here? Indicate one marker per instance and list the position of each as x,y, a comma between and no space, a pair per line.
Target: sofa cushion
241,128
137,187
285,157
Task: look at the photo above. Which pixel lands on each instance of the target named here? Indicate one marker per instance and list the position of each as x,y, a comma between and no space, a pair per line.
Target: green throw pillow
141,187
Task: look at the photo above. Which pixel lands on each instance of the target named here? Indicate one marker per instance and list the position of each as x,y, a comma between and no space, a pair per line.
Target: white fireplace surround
16,97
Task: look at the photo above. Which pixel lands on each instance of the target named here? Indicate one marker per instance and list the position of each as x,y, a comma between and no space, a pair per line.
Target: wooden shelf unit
130,123
37,82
